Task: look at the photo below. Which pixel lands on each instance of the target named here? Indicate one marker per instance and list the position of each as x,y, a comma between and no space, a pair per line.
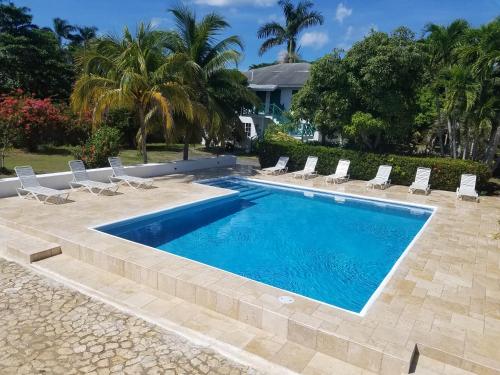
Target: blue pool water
331,248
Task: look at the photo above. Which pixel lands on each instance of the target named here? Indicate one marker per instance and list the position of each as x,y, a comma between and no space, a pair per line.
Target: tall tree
208,72
296,20
442,42
62,29
482,55
132,73
30,58
83,35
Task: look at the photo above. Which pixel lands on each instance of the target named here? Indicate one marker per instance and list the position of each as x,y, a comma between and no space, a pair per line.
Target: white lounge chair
421,181
122,177
82,181
280,166
30,187
340,173
468,187
309,168
382,177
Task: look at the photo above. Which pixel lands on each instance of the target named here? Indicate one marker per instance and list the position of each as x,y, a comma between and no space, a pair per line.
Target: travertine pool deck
443,299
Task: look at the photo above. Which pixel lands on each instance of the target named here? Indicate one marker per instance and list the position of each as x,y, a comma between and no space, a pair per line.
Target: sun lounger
382,178
309,168
340,173
82,181
280,166
421,181
30,187
468,187
122,177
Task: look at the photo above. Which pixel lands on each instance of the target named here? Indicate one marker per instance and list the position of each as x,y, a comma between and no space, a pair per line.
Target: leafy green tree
31,58
385,74
216,90
367,129
325,99
297,18
132,73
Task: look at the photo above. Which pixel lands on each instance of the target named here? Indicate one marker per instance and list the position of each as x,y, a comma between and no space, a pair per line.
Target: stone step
249,345
434,361
24,248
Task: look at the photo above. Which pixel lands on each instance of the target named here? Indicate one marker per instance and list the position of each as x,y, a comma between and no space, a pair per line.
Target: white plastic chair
30,187
82,181
340,174
468,187
122,177
309,168
382,178
421,181
280,166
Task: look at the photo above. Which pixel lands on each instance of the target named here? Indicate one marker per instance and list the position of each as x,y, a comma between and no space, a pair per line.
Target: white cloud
157,21
273,17
314,39
348,33
223,3
342,12
282,55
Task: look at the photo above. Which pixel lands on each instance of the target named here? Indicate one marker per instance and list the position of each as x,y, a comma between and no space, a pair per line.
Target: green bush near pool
445,172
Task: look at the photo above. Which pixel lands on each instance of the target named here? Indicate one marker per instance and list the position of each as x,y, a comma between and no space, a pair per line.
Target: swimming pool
333,248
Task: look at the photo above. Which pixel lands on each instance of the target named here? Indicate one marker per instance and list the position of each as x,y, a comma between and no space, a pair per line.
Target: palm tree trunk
185,151
142,124
452,134
441,143
492,146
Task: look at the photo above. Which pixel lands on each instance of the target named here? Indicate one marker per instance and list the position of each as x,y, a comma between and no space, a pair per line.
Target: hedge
445,172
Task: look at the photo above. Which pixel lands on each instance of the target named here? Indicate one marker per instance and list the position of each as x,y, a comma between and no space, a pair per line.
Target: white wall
61,180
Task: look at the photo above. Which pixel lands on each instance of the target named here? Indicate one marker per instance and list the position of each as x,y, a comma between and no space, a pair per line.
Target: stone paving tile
46,328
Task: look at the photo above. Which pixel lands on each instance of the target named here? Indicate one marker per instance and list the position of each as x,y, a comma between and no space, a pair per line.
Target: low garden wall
445,172
61,180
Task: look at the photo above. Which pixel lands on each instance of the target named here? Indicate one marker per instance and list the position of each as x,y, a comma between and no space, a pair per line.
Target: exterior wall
61,180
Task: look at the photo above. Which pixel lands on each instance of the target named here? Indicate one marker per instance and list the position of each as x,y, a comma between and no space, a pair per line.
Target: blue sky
346,21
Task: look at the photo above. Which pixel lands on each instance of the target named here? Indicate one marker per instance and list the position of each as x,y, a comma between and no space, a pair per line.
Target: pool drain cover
286,299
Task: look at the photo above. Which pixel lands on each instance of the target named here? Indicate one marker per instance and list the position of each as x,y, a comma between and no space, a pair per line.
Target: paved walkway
46,328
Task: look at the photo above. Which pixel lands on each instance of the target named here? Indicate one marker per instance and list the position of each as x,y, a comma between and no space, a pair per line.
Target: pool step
24,248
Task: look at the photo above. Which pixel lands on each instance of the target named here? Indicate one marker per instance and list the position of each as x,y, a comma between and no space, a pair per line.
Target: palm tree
442,42
482,54
132,73
207,71
296,19
84,36
62,29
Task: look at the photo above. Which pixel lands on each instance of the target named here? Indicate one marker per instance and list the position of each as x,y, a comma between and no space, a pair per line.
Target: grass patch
51,159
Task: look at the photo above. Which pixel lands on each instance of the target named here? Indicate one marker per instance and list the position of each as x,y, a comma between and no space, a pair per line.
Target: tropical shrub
445,172
105,142
36,121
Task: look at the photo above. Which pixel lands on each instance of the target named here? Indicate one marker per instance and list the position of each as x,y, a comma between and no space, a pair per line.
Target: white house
274,85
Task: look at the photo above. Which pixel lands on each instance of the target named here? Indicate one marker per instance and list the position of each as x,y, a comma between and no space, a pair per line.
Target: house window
248,129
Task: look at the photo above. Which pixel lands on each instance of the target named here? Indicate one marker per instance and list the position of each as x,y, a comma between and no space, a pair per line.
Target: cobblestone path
46,328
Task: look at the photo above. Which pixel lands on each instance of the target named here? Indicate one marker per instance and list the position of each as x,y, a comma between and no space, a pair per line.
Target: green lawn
55,159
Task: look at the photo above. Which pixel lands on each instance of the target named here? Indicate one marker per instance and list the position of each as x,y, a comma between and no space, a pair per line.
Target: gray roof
280,75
